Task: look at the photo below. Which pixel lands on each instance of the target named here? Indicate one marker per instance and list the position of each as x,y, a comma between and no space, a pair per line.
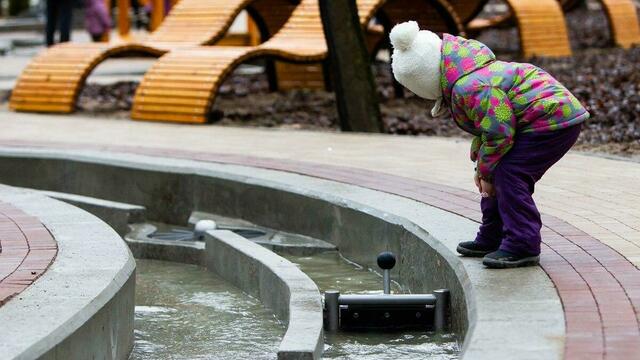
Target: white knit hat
416,61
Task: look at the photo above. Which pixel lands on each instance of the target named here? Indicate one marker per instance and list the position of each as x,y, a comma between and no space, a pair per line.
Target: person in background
58,13
167,7
97,20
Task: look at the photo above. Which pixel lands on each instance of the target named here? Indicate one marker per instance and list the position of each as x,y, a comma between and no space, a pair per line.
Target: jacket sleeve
490,112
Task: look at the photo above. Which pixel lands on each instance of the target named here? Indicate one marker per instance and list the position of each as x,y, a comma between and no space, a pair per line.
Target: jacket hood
460,57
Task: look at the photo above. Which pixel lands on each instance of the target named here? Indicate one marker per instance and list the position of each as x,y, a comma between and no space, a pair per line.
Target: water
186,312
331,272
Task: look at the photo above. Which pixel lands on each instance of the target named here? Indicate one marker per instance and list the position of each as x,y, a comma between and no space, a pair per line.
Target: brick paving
27,250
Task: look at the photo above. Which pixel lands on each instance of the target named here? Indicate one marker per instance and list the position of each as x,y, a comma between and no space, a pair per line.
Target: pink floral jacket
495,100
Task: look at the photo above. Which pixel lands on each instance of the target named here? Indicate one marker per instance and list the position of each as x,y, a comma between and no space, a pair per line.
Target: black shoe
503,260
473,249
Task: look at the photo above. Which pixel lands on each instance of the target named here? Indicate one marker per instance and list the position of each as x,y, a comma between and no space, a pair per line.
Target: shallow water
186,312
332,272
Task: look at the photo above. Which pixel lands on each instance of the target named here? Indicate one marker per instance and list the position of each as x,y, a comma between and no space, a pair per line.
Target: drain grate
173,234
249,233
188,235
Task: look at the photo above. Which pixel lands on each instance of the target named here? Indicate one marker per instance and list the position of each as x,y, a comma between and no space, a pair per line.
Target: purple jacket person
97,20
522,119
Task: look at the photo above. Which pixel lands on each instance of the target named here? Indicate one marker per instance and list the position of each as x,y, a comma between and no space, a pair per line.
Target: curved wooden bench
543,30
541,27
53,80
438,16
182,85
623,22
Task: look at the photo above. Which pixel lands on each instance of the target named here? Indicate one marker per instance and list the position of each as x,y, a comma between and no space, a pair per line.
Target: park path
599,196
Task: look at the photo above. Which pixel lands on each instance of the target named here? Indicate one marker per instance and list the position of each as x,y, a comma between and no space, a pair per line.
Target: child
523,121
96,19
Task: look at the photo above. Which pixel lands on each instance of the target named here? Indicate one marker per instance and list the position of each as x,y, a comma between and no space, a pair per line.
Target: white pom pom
403,35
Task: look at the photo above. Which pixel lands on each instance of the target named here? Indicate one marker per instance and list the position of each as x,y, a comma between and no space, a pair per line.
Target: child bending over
523,121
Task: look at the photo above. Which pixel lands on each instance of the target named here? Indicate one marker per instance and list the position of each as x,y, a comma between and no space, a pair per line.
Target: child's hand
487,188
476,179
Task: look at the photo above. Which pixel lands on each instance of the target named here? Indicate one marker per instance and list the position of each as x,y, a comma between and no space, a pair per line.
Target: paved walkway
590,203
597,195
27,250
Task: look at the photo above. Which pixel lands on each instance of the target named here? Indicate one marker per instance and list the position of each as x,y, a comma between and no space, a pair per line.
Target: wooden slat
299,76
45,99
40,107
165,116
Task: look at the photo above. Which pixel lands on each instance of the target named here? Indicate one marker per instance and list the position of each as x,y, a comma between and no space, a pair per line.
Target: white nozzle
202,227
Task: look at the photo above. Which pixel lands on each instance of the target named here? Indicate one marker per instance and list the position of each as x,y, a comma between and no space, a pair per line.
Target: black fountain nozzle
386,260
386,311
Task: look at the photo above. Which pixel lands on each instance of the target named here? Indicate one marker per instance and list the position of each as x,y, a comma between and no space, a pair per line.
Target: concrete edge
278,283
187,252
83,304
116,214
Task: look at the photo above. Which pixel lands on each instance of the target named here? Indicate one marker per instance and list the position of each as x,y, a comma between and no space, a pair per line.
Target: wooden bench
623,22
541,26
53,80
182,85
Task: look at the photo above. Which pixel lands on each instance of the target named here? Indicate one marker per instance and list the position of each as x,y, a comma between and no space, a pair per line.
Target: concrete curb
278,283
187,252
115,214
83,305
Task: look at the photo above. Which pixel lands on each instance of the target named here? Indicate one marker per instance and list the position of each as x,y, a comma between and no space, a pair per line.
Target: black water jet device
386,312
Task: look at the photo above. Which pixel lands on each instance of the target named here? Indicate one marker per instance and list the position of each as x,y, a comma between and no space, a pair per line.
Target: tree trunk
350,68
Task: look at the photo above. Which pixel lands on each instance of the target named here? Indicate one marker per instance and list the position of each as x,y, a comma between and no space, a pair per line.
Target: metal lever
332,306
442,309
386,261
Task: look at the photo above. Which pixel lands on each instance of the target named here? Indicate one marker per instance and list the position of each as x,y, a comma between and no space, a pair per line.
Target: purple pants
510,219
